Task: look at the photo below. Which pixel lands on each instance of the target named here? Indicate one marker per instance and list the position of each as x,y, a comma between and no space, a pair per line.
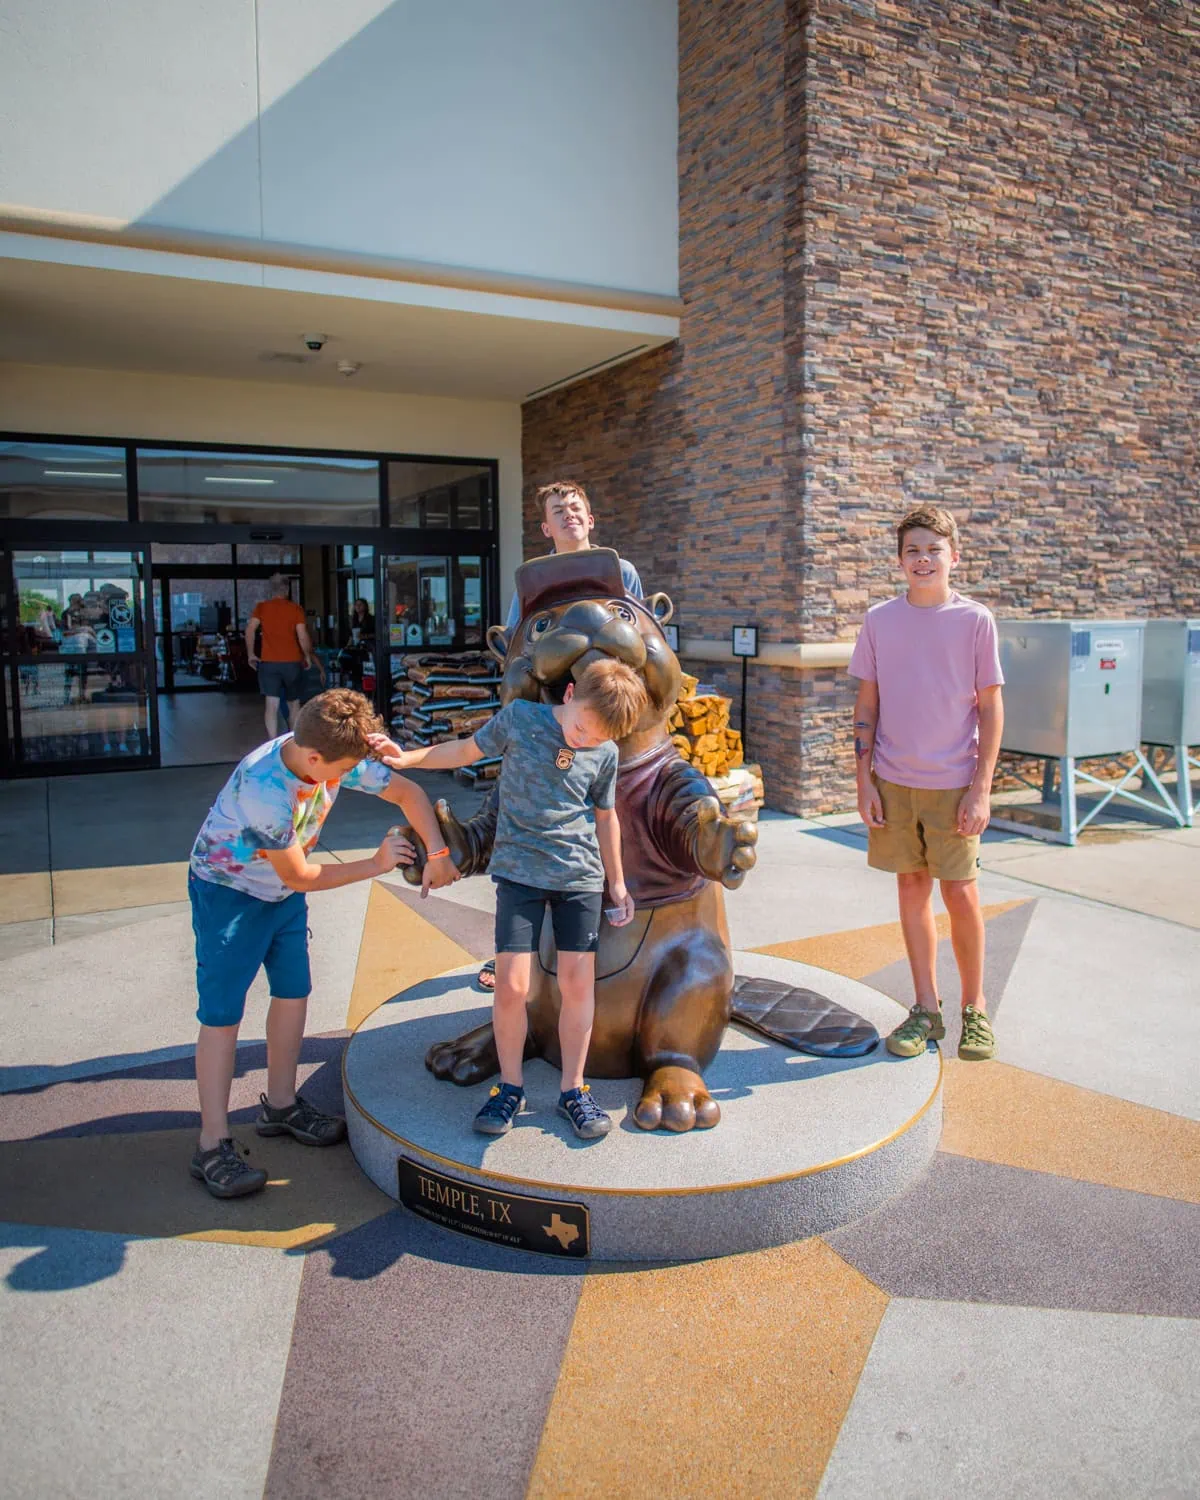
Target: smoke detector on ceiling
348,367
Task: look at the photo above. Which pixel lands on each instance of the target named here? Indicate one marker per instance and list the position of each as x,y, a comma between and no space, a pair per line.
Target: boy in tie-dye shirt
248,878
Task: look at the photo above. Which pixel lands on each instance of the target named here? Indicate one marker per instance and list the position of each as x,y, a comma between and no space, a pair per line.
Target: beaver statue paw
457,839
676,1099
724,848
468,1059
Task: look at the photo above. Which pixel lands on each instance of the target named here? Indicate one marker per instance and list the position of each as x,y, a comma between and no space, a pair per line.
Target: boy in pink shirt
927,724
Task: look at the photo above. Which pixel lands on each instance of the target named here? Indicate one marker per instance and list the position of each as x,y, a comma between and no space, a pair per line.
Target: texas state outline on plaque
565,1234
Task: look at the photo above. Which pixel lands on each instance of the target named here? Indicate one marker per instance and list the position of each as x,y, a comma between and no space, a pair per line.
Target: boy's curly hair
615,694
336,724
928,518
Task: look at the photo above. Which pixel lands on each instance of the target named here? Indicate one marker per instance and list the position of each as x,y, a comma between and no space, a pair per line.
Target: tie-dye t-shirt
264,806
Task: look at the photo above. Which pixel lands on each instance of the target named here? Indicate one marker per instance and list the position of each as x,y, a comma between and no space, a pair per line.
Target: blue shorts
236,935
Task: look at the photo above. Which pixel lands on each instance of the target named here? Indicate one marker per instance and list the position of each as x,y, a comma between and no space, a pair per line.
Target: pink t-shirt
930,665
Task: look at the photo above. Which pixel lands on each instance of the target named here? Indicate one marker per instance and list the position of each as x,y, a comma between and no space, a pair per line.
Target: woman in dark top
361,619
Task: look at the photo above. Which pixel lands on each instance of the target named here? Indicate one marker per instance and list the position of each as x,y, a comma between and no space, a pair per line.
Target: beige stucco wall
534,137
119,404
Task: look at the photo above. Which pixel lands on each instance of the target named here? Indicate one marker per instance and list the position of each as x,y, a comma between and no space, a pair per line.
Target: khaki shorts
922,834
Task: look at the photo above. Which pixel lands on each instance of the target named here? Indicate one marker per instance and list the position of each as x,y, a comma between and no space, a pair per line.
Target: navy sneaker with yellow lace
504,1103
588,1120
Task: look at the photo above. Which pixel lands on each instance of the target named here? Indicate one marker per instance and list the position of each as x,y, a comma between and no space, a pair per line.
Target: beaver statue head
574,611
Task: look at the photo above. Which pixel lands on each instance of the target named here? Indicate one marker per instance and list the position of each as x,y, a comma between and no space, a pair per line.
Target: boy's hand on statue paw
974,812
870,805
395,850
437,873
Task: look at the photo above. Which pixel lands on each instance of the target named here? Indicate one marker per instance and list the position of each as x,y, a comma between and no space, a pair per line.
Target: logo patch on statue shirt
564,759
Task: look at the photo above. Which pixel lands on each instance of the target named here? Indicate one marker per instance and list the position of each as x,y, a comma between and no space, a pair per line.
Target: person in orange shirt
284,652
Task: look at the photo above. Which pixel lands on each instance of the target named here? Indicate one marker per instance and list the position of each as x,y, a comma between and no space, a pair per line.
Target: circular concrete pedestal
804,1143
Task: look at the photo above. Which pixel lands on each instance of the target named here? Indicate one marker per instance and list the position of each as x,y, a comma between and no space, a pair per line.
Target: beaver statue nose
590,629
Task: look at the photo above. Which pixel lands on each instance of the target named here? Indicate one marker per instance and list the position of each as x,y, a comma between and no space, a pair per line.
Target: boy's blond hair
928,518
614,693
551,491
336,725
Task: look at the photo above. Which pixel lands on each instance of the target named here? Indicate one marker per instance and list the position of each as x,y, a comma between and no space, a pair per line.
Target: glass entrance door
200,623
76,660
197,643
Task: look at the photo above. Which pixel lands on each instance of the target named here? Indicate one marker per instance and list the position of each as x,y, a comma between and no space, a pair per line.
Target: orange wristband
437,853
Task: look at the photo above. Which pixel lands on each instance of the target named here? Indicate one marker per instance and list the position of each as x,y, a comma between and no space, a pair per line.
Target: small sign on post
745,645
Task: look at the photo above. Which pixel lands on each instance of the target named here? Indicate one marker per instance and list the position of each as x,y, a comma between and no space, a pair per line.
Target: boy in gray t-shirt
557,841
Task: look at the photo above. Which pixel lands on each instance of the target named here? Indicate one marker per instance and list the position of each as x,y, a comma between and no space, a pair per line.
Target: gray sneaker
914,1034
225,1172
301,1120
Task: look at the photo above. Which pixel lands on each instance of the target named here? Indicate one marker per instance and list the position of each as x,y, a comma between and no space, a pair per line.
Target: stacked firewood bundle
447,696
699,726
740,791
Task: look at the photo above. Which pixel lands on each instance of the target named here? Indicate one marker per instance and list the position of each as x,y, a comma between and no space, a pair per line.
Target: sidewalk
1023,1322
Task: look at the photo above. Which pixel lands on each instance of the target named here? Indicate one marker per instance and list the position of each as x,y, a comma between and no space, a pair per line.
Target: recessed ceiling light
83,473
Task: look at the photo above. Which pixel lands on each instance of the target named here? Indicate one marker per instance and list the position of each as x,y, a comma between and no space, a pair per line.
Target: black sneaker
504,1103
300,1120
225,1172
588,1120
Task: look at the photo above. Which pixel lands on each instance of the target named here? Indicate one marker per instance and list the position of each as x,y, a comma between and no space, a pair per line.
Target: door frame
235,572
12,660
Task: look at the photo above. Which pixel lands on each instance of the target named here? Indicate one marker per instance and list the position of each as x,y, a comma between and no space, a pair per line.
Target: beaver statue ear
660,607
497,642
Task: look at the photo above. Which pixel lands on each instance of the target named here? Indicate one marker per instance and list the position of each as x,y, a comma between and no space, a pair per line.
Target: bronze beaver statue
664,982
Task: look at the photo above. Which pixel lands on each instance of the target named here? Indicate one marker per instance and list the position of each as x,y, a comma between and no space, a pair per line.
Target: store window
81,691
449,496
435,601
62,482
191,554
256,489
264,554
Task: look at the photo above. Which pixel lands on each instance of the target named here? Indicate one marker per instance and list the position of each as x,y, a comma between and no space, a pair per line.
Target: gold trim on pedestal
683,1192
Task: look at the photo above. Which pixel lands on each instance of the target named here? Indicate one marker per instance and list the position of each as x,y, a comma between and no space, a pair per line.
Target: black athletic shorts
521,909
280,679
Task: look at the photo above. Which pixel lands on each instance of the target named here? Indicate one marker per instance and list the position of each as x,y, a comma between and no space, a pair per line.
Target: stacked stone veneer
928,251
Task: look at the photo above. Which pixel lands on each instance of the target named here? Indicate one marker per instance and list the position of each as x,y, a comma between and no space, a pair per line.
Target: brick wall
928,250
687,452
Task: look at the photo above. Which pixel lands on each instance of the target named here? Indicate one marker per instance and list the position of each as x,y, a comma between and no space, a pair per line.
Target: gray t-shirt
546,830
629,576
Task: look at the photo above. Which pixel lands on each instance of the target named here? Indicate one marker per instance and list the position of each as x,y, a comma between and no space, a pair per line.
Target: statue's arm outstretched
689,825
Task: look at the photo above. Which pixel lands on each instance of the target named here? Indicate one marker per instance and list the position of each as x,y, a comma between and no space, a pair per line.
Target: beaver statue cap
564,576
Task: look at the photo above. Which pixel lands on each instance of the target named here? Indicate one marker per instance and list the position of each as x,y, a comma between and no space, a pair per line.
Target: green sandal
915,1032
978,1041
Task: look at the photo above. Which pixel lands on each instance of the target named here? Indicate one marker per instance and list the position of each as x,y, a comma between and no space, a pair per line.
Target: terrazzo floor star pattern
1043,1268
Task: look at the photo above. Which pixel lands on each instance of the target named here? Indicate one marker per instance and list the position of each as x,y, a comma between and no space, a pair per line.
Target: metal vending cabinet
1072,692
1171,699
